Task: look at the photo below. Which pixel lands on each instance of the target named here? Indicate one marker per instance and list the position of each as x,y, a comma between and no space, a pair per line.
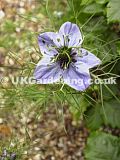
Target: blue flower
64,59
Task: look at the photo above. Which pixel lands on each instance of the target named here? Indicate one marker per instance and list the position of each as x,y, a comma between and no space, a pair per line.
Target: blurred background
40,122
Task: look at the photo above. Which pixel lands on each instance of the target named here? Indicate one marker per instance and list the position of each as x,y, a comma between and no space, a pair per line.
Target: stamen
58,39
74,53
86,53
74,60
65,57
43,41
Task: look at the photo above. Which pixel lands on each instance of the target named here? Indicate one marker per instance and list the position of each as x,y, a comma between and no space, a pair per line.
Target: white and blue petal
88,58
77,77
47,44
71,34
47,72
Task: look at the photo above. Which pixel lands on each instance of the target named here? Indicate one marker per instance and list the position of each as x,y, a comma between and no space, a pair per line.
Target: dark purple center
65,57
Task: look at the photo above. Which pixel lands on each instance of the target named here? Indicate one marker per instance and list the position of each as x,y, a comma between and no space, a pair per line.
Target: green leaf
94,117
78,105
112,110
93,8
113,11
109,114
118,47
101,1
102,146
86,2
106,94
9,26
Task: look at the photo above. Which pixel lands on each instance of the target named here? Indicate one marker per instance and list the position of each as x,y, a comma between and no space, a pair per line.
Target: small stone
21,10
1,120
52,158
36,148
37,157
17,29
11,62
2,14
22,4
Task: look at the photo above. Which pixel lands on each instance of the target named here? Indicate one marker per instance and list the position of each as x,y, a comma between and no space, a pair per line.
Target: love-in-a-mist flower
64,59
